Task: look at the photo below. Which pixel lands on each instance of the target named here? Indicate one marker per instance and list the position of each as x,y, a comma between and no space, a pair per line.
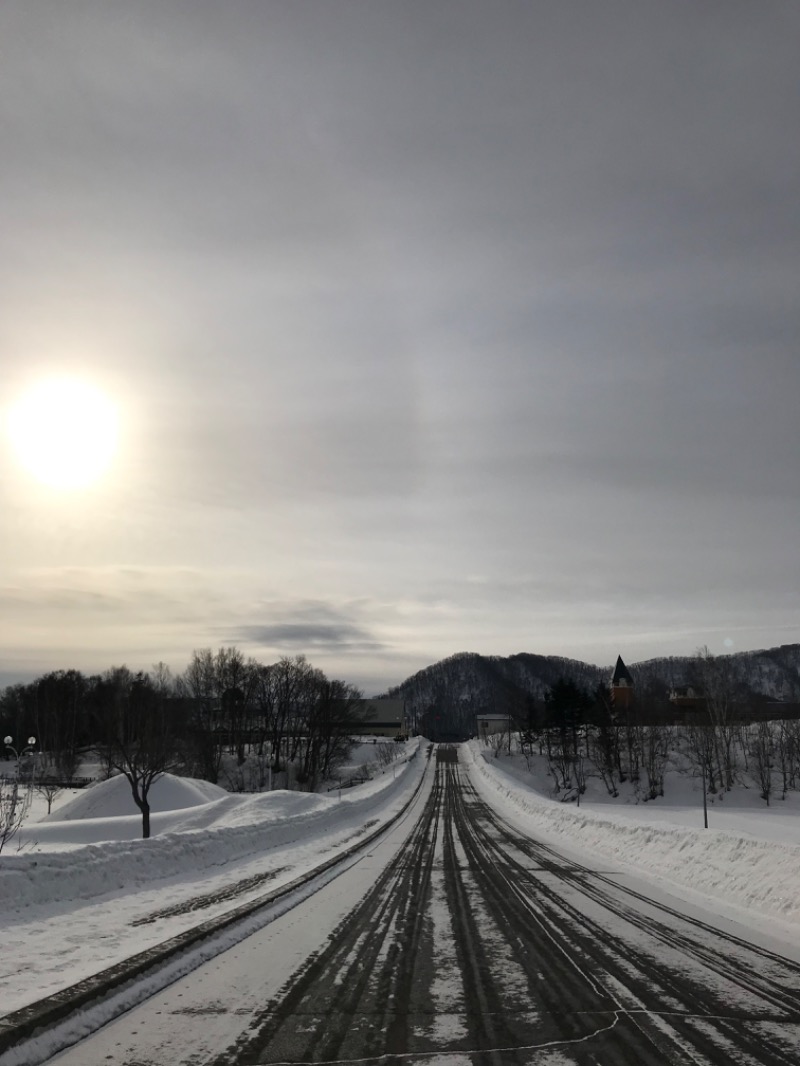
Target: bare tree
718,686
762,751
628,725
265,704
604,740
294,682
60,718
567,710
386,752
48,789
16,791
234,681
655,745
496,741
198,686
787,751
15,801
141,737
700,748
329,726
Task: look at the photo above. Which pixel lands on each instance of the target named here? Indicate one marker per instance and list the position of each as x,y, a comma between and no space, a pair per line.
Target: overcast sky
432,326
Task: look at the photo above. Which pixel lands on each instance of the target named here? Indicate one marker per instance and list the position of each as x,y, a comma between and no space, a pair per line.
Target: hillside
445,697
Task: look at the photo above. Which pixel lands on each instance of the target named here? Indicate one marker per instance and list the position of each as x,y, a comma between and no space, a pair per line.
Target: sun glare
64,433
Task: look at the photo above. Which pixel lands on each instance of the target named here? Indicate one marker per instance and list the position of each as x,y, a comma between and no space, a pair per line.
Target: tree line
285,721
723,741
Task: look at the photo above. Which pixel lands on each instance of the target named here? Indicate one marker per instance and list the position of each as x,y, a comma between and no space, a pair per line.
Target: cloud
302,636
313,626
395,294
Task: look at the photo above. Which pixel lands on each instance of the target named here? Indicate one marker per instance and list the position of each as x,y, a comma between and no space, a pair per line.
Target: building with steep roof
621,685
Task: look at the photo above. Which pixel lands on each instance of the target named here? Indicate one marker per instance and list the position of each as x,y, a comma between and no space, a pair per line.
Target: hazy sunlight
64,432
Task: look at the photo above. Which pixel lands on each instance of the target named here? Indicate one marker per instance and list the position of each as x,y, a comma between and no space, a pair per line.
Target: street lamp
14,807
9,743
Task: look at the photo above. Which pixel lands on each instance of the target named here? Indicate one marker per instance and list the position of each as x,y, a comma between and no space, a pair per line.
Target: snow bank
113,798
190,840
724,867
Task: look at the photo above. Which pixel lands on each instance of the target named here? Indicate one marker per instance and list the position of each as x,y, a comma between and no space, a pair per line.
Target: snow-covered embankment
729,871
192,842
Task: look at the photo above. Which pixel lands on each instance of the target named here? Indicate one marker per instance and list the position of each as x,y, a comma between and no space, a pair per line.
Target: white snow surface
74,901
113,799
196,827
745,865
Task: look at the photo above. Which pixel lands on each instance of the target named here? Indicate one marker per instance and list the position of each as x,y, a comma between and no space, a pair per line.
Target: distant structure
490,723
687,698
621,685
381,718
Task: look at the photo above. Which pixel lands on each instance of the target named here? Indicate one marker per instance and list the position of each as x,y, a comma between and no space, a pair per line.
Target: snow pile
113,798
83,858
726,868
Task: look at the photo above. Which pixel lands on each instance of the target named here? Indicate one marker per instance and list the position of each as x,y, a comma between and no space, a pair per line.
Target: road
458,941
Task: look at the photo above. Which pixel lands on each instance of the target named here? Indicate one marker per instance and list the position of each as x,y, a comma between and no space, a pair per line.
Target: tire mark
340,984
224,895
607,950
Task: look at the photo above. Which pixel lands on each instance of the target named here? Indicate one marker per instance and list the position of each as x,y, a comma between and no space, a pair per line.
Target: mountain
444,699
769,674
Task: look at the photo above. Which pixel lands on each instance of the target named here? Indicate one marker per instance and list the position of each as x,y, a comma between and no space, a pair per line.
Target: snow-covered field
746,865
739,811
86,892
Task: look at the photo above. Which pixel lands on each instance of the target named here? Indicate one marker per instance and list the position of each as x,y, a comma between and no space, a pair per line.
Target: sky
427,328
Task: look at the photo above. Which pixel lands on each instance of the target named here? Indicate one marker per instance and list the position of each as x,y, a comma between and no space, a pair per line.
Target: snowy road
457,940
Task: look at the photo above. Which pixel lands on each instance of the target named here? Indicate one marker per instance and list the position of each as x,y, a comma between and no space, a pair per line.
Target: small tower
621,685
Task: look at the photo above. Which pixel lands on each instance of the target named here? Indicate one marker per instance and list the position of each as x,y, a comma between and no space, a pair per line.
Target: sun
64,432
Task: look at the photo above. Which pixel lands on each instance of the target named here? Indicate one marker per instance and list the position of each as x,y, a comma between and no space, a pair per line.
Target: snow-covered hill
446,697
